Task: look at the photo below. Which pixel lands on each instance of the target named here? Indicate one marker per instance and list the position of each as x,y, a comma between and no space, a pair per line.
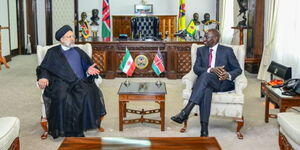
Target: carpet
20,97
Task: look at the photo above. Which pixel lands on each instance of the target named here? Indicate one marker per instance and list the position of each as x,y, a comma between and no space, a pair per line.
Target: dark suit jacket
224,57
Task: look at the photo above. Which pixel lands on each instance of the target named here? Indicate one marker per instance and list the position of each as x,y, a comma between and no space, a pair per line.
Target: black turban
62,31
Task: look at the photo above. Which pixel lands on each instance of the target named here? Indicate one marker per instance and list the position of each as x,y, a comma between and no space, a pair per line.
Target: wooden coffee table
142,91
284,102
153,143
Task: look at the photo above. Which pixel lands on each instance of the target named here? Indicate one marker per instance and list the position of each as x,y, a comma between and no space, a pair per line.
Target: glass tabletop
140,88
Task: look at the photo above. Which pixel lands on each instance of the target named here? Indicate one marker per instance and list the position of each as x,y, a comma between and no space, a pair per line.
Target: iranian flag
158,65
105,21
127,65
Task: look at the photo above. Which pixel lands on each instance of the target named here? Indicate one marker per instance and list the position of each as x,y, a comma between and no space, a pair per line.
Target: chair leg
283,143
240,124
15,145
44,124
100,129
183,129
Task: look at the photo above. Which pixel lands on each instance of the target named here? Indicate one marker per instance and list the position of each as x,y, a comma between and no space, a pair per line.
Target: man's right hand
43,82
219,71
92,70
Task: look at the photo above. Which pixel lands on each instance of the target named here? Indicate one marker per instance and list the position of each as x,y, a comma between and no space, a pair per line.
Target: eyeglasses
70,36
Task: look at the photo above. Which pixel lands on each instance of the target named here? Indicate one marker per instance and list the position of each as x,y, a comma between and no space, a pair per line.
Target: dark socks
204,129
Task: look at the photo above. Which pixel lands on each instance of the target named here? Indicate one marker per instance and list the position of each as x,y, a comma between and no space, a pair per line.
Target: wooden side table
143,91
284,102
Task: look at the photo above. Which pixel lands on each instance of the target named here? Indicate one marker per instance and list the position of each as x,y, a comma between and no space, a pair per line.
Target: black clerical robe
72,105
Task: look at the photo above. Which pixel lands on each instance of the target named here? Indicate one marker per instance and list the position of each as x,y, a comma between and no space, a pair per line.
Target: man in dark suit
216,67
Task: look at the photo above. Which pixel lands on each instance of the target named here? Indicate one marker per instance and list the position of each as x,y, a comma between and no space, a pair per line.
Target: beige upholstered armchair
9,133
226,104
289,131
41,52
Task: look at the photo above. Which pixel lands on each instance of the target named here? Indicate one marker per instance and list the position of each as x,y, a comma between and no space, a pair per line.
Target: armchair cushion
9,131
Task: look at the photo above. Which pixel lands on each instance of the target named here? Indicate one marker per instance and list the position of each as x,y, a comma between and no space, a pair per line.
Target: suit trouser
205,85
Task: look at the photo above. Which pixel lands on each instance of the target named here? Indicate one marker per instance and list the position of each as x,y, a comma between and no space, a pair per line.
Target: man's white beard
68,44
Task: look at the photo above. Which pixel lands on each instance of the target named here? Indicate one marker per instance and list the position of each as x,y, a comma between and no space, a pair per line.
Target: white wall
4,23
160,7
13,24
200,7
62,14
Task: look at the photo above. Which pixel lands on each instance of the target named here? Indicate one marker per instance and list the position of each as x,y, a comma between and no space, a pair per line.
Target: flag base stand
126,83
158,83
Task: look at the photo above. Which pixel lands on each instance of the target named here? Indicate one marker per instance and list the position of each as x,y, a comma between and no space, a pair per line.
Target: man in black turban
73,102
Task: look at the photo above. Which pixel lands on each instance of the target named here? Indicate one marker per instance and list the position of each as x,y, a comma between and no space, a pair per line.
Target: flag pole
126,83
158,82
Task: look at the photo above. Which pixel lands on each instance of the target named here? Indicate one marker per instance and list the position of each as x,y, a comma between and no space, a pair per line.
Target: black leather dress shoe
81,135
204,129
204,134
180,118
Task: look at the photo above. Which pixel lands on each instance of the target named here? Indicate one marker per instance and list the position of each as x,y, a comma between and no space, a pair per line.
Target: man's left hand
92,70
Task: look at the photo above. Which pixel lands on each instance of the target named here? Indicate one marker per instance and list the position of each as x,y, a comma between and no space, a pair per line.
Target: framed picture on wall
143,9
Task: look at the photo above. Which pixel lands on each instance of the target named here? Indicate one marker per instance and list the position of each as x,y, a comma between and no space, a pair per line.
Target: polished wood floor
153,143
